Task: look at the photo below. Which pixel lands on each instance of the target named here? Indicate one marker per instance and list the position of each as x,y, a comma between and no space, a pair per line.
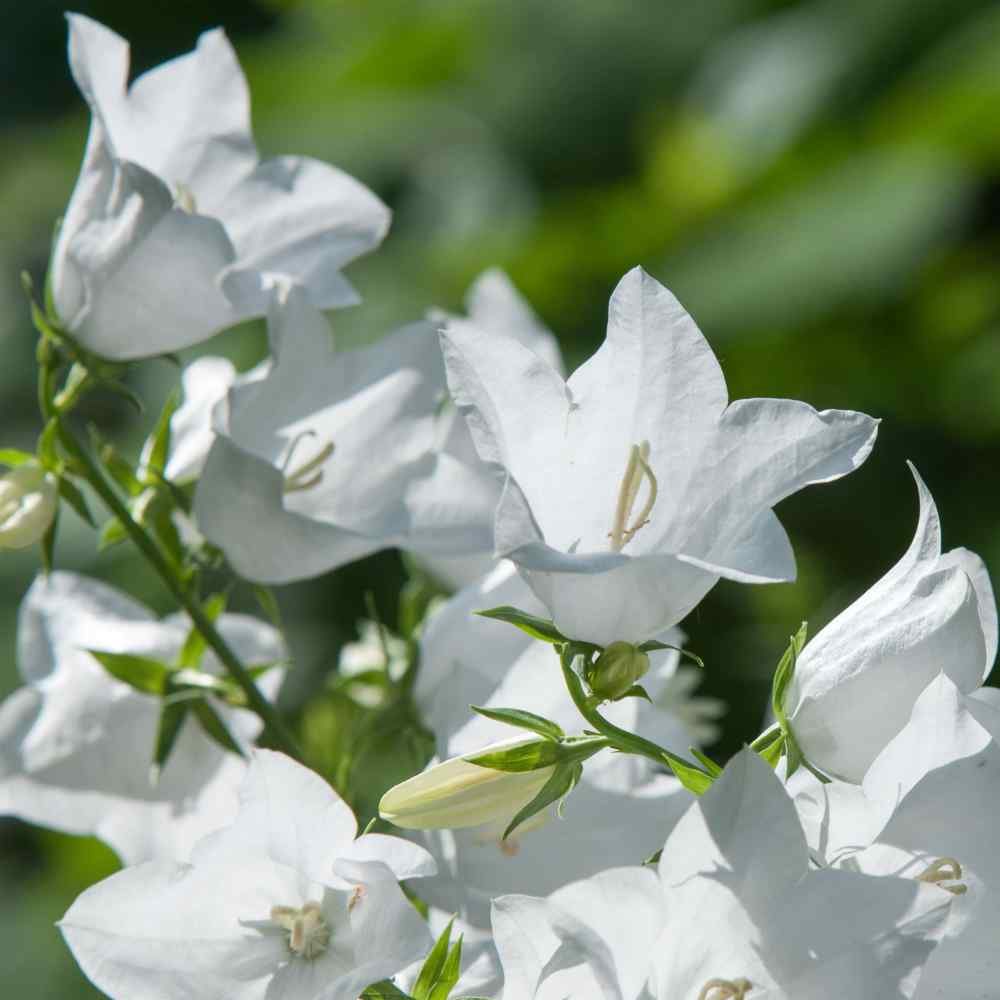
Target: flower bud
615,671
28,499
458,793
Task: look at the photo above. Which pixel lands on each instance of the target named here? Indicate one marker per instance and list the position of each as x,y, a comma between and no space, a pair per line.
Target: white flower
928,810
734,913
76,745
332,455
285,903
174,218
29,497
633,486
855,683
620,811
496,308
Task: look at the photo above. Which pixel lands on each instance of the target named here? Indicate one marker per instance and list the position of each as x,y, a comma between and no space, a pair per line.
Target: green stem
273,724
620,739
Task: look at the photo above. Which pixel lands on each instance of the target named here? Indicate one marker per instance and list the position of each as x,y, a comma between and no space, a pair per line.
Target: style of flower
856,681
333,455
76,745
284,903
29,498
175,219
732,912
635,485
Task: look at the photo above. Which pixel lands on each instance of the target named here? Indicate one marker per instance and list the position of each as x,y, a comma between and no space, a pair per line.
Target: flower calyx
308,932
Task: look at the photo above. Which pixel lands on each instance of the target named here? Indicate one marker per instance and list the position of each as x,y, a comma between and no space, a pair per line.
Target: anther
636,470
725,989
944,870
184,199
309,474
308,931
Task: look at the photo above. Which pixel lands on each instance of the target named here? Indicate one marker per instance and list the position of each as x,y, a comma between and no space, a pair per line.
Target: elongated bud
28,499
616,670
457,793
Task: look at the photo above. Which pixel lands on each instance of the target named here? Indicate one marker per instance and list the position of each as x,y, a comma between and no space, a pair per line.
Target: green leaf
268,604
652,644
116,467
636,691
710,765
561,782
526,757
449,974
523,719
172,716
157,446
433,966
538,628
654,858
72,495
385,991
14,457
214,727
772,751
694,780
194,645
784,673
140,672
112,533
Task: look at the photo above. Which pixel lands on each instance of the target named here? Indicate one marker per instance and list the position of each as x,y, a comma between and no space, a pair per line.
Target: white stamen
944,870
308,931
309,474
184,198
636,469
725,989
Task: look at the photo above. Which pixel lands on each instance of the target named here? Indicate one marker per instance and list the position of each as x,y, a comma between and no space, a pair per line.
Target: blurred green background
819,183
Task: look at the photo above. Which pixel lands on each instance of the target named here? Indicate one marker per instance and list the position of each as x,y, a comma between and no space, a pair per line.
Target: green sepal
72,495
654,858
711,766
140,672
773,751
172,716
112,533
537,628
652,644
384,991
214,727
13,457
157,446
692,778
636,691
561,782
783,675
430,971
526,757
523,719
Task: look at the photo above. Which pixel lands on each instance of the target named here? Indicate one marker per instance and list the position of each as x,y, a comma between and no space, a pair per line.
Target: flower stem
620,739
146,544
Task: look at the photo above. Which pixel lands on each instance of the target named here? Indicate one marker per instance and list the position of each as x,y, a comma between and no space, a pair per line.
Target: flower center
308,931
944,870
184,198
636,470
308,474
725,989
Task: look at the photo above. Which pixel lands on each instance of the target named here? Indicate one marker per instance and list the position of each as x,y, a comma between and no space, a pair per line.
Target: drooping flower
29,498
175,219
284,903
634,486
76,745
856,681
733,912
333,455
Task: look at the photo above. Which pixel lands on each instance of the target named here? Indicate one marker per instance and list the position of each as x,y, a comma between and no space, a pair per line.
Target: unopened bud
458,793
28,499
616,670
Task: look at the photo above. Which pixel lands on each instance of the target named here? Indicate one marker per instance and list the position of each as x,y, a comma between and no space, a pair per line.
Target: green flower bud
615,671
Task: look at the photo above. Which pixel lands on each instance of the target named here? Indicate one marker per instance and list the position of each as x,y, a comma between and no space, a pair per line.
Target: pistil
944,870
309,474
308,931
636,470
725,989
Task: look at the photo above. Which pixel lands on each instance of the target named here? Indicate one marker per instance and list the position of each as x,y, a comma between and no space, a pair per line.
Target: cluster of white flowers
845,853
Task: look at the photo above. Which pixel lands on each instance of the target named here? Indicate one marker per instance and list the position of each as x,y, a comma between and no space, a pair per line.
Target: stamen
307,475
358,893
725,989
184,198
308,931
944,870
636,469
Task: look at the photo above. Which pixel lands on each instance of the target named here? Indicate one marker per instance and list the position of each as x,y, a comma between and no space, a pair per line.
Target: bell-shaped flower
333,455
620,811
496,308
856,681
734,912
77,745
29,497
635,485
175,219
927,810
284,903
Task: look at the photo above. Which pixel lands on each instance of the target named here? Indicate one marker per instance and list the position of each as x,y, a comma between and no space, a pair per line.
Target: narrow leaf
172,716
693,779
157,446
523,719
112,533
710,765
385,991
144,674
773,751
268,604
538,628
212,724
13,457
652,644
449,974
194,645
562,781
72,495
433,965
636,691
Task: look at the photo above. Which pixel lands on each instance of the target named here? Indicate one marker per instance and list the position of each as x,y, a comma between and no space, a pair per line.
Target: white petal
403,858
